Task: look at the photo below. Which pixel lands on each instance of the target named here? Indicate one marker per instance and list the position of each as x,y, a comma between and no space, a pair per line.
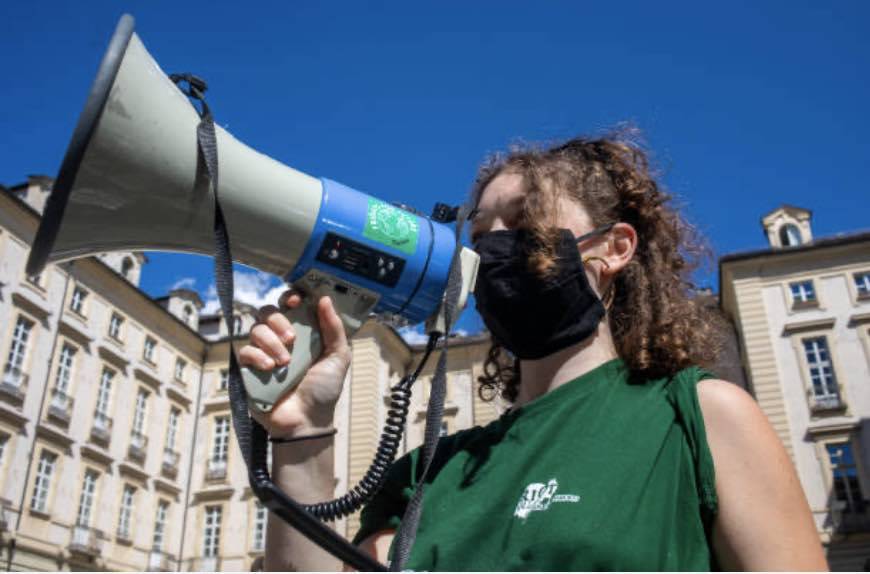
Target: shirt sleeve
683,394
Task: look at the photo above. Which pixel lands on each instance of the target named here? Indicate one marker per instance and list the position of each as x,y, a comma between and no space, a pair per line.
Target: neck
540,376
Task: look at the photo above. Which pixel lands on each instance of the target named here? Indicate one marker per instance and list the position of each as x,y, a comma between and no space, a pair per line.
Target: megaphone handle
352,305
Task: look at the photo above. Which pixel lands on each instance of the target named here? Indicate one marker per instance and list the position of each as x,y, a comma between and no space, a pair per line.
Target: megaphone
131,179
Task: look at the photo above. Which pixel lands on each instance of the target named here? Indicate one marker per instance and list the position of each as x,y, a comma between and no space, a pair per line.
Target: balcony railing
208,564
138,444
13,384
159,561
102,429
849,519
170,462
821,403
61,406
85,540
217,469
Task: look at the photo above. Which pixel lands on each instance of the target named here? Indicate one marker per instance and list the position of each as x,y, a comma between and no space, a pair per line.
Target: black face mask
533,316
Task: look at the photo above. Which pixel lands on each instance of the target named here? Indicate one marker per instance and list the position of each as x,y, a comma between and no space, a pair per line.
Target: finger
250,356
272,317
331,327
290,299
265,338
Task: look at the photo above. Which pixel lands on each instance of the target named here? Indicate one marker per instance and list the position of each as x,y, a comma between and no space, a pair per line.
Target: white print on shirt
539,496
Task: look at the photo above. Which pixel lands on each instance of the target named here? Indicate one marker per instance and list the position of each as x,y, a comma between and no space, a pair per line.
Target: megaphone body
132,179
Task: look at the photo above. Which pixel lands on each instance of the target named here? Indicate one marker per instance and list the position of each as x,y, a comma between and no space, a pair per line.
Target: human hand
311,404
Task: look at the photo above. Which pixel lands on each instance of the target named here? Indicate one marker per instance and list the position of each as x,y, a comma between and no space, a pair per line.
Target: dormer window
803,294
188,314
126,267
789,235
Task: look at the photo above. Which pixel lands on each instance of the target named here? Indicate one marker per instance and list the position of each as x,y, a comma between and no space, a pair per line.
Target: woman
618,451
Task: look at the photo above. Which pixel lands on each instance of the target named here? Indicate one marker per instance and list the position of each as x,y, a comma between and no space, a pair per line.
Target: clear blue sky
746,106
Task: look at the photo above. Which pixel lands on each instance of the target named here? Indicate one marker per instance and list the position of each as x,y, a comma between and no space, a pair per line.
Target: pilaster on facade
760,357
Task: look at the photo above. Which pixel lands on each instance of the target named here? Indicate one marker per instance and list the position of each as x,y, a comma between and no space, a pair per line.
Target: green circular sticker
391,226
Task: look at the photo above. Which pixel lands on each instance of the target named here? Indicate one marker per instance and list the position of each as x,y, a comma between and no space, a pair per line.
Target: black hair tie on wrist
322,434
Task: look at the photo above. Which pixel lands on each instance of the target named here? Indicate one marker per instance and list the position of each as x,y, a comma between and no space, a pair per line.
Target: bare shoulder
724,403
763,515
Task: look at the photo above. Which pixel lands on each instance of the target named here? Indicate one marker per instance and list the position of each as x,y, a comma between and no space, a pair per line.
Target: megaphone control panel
360,259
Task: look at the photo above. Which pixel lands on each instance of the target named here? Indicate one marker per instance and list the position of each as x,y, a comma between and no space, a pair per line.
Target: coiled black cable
388,446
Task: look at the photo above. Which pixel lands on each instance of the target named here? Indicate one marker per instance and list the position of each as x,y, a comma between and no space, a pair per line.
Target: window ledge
816,324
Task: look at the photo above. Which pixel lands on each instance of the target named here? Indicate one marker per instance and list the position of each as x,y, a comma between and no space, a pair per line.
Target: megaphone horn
131,180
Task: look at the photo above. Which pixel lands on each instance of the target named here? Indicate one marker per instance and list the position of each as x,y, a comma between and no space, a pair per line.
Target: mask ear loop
608,298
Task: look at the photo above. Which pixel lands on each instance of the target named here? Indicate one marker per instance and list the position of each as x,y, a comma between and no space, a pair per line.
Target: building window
115,323
172,431
35,280
237,325
149,349
86,500
104,394
188,314
221,440
224,382
825,392
259,542
847,490
126,267
77,301
803,294
862,284
64,369
160,525
180,364
4,440
212,531
126,512
789,235
444,430
13,371
42,482
139,413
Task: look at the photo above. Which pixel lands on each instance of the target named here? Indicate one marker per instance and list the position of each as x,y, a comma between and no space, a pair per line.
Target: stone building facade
116,446
801,307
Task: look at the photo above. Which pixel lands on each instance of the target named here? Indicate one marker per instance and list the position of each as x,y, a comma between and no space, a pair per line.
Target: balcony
209,564
159,561
85,540
217,470
13,385
138,446
847,520
832,403
60,407
102,429
170,462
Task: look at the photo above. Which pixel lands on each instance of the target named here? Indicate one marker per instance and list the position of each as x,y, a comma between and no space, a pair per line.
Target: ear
619,249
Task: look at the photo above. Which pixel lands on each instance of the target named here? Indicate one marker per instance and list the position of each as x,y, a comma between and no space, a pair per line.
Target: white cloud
252,287
184,283
415,335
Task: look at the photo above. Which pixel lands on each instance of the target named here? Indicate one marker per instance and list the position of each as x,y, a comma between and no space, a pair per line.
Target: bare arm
302,469
764,521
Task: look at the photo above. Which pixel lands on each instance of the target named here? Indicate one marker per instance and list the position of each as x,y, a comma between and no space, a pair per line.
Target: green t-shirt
602,473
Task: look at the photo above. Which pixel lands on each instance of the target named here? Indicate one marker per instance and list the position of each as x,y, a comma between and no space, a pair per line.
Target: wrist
298,432
298,437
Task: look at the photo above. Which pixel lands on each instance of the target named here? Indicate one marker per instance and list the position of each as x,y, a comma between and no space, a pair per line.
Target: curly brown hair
659,325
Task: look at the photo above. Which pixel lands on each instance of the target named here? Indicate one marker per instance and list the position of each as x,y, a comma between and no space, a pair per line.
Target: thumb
331,327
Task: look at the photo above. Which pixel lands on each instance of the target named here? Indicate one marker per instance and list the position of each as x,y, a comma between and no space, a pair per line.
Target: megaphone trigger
352,303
